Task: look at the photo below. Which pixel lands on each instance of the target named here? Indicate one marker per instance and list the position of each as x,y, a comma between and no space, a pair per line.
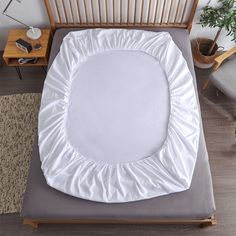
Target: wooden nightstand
12,53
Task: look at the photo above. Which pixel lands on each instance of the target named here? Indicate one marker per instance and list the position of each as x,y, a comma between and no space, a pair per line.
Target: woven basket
200,49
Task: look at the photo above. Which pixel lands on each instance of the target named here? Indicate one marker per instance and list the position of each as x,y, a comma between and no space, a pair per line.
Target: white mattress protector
118,120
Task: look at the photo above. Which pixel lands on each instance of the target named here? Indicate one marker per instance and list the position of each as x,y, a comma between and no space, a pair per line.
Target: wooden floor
219,130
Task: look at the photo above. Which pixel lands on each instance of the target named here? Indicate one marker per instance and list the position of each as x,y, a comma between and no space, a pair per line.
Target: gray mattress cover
43,202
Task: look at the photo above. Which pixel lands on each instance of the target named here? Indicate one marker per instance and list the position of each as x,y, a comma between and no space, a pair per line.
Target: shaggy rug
18,125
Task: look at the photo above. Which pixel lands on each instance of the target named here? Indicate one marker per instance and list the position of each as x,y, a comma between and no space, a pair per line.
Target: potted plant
223,16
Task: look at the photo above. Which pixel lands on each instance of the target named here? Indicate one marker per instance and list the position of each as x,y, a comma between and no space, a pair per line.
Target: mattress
119,119
41,201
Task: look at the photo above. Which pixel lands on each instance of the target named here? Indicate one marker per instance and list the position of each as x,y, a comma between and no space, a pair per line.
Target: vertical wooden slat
170,11
58,11
135,10
107,11
163,11
72,11
121,7
191,15
78,8
100,11
184,11
48,5
177,11
149,11
86,11
156,12
79,13
114,11
142,12
128,10
92,7
65,11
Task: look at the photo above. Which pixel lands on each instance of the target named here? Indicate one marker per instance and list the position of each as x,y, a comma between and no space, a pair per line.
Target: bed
42,204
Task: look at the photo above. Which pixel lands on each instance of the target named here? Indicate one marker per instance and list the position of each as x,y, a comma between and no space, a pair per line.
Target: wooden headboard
121,13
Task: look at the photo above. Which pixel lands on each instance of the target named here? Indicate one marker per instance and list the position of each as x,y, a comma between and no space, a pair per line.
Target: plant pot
201,47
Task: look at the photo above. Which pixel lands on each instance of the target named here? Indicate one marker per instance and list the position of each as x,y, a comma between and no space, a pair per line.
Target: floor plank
11,84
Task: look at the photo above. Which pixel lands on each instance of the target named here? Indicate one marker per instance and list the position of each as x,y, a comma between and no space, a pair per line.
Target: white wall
33,12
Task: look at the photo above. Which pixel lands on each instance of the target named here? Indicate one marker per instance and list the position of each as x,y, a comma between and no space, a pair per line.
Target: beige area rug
18,125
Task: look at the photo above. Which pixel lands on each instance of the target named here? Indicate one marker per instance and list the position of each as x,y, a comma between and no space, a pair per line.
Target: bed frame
121,14
202,223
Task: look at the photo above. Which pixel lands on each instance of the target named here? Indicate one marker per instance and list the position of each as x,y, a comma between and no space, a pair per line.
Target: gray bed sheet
43,202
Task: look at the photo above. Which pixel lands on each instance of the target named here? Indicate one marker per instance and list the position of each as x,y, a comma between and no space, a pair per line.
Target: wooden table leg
44,69
18,72
205,85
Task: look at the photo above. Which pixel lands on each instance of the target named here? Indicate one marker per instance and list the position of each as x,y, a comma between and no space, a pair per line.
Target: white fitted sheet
118,120
116,116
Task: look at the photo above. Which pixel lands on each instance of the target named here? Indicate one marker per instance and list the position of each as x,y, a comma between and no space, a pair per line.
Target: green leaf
222,16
